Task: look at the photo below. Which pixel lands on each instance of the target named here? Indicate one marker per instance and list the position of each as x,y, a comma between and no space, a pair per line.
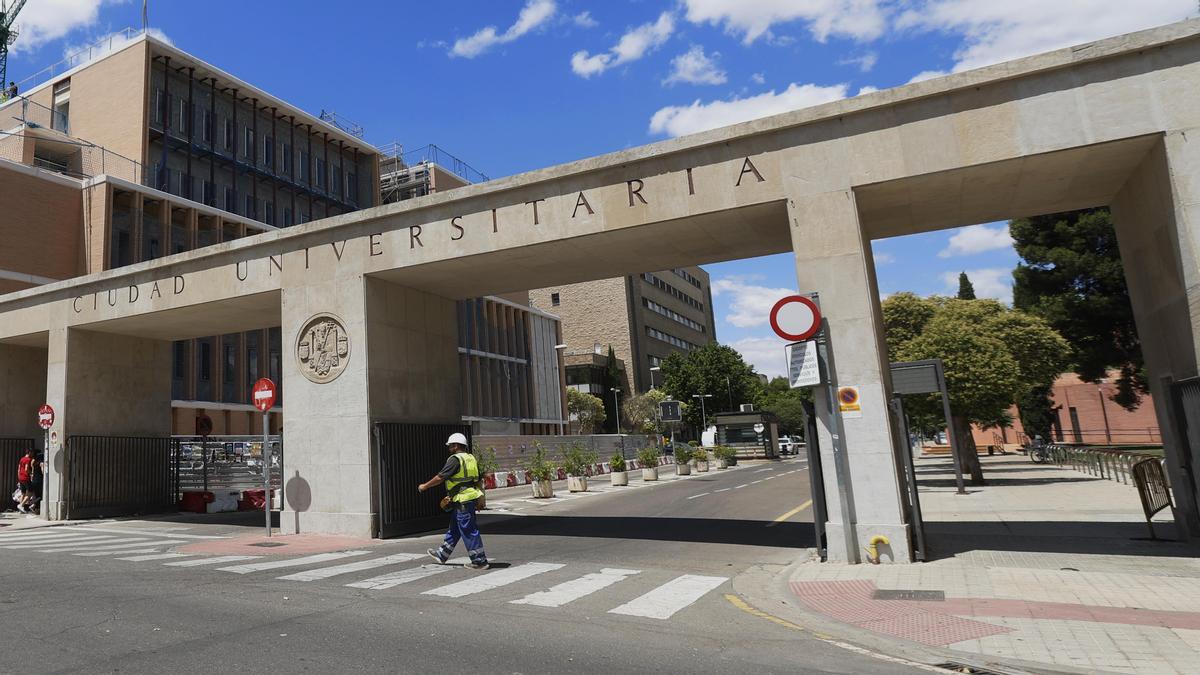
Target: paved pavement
1044,565
630,579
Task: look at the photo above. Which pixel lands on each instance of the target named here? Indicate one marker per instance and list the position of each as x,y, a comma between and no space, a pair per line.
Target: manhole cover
904,594
269,544
965,668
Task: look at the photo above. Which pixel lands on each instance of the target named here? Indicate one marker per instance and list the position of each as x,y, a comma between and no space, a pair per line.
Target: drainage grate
904,594
964,668
268,544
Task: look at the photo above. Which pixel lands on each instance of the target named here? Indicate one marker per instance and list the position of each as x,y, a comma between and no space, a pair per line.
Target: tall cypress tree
966,290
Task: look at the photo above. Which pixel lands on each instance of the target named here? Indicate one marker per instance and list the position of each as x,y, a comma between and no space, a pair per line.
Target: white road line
568,591
74,546
42,541
211,561
357,566
115,545
158,556
756,482
122,550
38,533
738,487
491,580
766,469
769,477
291,562
159,532
722,490
401,577
671,597
700,495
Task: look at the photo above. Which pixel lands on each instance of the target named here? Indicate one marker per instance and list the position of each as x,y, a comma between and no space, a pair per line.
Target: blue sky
516,85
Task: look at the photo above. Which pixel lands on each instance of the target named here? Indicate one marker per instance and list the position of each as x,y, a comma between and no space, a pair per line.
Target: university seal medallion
323,348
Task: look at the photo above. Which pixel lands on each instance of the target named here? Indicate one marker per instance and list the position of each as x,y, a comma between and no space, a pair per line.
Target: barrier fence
227,463
120,475
406,455
1115,464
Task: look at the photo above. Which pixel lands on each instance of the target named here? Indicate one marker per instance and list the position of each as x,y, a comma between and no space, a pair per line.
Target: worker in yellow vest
461,476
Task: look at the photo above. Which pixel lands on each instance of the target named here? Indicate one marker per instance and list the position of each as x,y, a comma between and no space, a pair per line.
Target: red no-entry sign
264,394
795,318
45,416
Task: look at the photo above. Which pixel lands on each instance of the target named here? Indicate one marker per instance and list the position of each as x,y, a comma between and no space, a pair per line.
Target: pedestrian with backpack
25,469
463,491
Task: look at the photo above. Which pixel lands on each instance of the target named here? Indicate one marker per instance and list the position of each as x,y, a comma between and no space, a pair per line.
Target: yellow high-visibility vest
463,486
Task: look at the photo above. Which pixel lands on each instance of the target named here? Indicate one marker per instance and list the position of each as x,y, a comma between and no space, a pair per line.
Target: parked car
790,445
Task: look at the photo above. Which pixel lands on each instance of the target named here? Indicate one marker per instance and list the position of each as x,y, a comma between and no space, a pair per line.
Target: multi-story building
144,151
644,318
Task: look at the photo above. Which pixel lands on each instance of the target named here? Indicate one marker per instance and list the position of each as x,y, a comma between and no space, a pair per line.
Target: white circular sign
759,427
795,318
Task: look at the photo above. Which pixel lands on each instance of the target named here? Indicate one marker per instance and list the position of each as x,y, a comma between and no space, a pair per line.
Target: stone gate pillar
833,258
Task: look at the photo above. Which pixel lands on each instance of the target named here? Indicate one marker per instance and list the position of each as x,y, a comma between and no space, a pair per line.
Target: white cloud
764,353
46,20
865,62
681,120
533,14
696,67
1000,31
867,89
926,75
976,239
883,258
752,19
632,46
584,20
749,304
989,282
758,78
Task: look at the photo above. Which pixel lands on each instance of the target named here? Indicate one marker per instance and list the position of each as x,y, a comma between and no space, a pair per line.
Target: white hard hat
457,438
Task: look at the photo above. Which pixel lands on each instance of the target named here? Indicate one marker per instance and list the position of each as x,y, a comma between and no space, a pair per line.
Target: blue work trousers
462,526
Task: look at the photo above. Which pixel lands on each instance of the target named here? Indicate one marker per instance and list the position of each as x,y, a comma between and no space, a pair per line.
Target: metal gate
11,450
120,475
1185,409
406,455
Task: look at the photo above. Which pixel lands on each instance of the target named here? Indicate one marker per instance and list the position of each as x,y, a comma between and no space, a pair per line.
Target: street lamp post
562,414
617,407
653,370
703,415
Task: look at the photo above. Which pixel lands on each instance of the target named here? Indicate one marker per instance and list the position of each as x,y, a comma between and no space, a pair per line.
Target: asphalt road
670,548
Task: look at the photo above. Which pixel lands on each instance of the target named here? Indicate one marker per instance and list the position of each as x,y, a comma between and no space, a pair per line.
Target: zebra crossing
647,594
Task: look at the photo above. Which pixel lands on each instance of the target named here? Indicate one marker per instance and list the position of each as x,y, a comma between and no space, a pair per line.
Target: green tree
641,412
1071,275
993,357
966,290
705,371
779,399
587,410
613,379
904,318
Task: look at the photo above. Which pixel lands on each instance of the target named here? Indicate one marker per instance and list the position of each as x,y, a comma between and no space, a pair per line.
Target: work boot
433,553
476,565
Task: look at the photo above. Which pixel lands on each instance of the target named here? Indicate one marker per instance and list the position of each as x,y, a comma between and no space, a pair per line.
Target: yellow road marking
791,513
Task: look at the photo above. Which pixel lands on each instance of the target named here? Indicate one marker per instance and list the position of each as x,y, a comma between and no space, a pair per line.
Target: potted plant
618,476
723,454
701,457
648,458
541,472
682,468
485,459
578,462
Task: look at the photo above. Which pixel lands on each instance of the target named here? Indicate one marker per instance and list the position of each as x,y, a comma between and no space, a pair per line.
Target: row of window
675,292
672,315
670,339
685,275
262,210
329,181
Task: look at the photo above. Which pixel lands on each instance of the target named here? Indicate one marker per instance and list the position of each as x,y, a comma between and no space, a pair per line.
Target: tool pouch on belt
481,503
446,504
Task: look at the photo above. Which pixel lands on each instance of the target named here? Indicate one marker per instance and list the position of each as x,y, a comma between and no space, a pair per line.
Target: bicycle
1039,453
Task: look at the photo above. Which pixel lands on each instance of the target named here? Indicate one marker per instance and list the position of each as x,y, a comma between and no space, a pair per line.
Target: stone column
1157,219
833,258
103,384
22,392
397,360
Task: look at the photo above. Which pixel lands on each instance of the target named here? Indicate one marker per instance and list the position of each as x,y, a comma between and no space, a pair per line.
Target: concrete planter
683,470
722,464
619,478
577,483
701,467
542,489
650,473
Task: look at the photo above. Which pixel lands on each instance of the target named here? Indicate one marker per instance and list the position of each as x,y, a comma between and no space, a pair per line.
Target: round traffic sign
45,416
263,396
204,425
795,318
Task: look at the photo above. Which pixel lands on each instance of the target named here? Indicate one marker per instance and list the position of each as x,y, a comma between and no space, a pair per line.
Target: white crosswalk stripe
34,543
157,556
402,577
120,551
293,562
671,597
49,548
568,591
493,580
357,566
114,545
211,561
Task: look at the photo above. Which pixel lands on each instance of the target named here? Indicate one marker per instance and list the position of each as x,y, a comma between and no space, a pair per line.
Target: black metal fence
120,475
227,463
11,450
406,455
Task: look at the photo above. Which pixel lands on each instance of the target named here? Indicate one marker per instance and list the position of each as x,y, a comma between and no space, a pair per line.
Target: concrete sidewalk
1043,565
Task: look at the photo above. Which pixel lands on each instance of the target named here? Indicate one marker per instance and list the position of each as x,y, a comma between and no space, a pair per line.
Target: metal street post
263,397
562,414
703,416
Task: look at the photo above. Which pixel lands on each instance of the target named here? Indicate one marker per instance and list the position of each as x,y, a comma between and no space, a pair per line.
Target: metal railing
119,475
34,114
1115,464
227,463
99,48
72,157
393,158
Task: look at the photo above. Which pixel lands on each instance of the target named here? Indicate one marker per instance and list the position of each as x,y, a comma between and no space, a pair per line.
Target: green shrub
694,444
578,459
539,466
725,452
700,455
682,456
486,459
648,457
617,462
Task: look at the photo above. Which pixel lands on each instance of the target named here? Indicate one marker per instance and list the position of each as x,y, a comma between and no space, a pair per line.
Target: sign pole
266,459
263,397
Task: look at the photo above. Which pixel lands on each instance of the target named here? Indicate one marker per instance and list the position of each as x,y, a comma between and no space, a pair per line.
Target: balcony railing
33,114
95,50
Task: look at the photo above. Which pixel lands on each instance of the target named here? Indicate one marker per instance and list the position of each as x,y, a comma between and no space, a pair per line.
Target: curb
767,586
515,477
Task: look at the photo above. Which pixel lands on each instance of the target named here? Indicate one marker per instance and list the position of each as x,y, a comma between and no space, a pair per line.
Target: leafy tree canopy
705,371
588,410
787,404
